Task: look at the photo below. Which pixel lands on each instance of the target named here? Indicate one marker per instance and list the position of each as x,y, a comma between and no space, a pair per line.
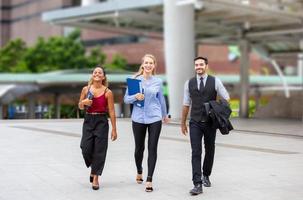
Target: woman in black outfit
98,102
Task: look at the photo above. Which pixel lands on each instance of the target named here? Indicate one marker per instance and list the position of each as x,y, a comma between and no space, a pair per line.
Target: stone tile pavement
41,159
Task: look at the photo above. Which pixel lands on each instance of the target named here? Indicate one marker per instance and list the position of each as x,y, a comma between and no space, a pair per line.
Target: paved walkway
41,159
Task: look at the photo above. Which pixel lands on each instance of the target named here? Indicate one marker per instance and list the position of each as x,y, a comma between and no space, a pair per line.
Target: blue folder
134,86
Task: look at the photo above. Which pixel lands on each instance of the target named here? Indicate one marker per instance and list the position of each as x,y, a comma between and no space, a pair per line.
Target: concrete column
31,107
300,74
125,107
179,45
1,111
57,106
244,78
88,2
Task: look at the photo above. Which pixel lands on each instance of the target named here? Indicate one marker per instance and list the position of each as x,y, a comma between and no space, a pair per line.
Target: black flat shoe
206,182
149,189
196,190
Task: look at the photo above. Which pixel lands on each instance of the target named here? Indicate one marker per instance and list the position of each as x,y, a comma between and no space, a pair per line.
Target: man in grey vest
198,91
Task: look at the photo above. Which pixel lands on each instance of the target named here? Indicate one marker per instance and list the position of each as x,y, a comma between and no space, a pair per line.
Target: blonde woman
148,118
98,102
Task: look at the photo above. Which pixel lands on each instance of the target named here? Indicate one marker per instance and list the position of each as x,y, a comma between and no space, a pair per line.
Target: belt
96,113
204,119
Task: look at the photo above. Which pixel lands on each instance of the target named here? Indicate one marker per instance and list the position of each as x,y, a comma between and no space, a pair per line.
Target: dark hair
201,58
104,81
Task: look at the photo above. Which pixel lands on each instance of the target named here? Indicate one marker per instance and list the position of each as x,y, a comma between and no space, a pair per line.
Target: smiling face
148,65
200,66
98,74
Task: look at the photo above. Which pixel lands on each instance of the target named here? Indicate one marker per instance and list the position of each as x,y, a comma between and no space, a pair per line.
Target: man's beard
200,71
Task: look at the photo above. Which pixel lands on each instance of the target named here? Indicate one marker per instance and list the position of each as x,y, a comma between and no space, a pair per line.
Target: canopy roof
10,92
272,26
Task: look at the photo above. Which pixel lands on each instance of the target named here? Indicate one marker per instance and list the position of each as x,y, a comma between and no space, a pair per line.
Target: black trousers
94,142
197,131
139,131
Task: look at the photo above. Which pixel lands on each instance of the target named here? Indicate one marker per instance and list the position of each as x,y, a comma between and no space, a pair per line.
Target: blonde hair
104,81
141,69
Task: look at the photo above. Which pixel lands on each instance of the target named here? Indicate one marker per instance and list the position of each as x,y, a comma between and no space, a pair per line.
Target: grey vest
198,98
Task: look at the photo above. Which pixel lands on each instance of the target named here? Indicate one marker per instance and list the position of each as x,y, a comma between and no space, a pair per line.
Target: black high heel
139,180
149,189
95,187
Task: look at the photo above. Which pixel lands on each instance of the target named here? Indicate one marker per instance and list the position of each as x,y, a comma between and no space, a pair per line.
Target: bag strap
88,89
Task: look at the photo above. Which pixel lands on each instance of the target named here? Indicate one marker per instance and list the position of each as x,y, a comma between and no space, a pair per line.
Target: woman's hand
87,102
166,119
114,135
139,96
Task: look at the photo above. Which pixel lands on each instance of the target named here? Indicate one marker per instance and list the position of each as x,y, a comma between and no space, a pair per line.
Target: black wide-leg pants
94,141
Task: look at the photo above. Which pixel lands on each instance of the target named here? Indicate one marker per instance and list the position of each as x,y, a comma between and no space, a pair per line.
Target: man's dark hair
201,58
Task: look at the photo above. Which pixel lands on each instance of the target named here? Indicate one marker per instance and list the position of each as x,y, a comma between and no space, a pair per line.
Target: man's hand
184,128
185,110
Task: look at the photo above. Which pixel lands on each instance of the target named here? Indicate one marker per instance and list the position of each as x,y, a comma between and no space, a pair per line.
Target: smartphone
90,95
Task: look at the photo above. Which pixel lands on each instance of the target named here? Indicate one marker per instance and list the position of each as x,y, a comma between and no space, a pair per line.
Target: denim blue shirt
154,108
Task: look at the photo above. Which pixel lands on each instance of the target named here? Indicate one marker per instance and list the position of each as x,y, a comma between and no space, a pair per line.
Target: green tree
118,63
12,57
56,53
95,57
